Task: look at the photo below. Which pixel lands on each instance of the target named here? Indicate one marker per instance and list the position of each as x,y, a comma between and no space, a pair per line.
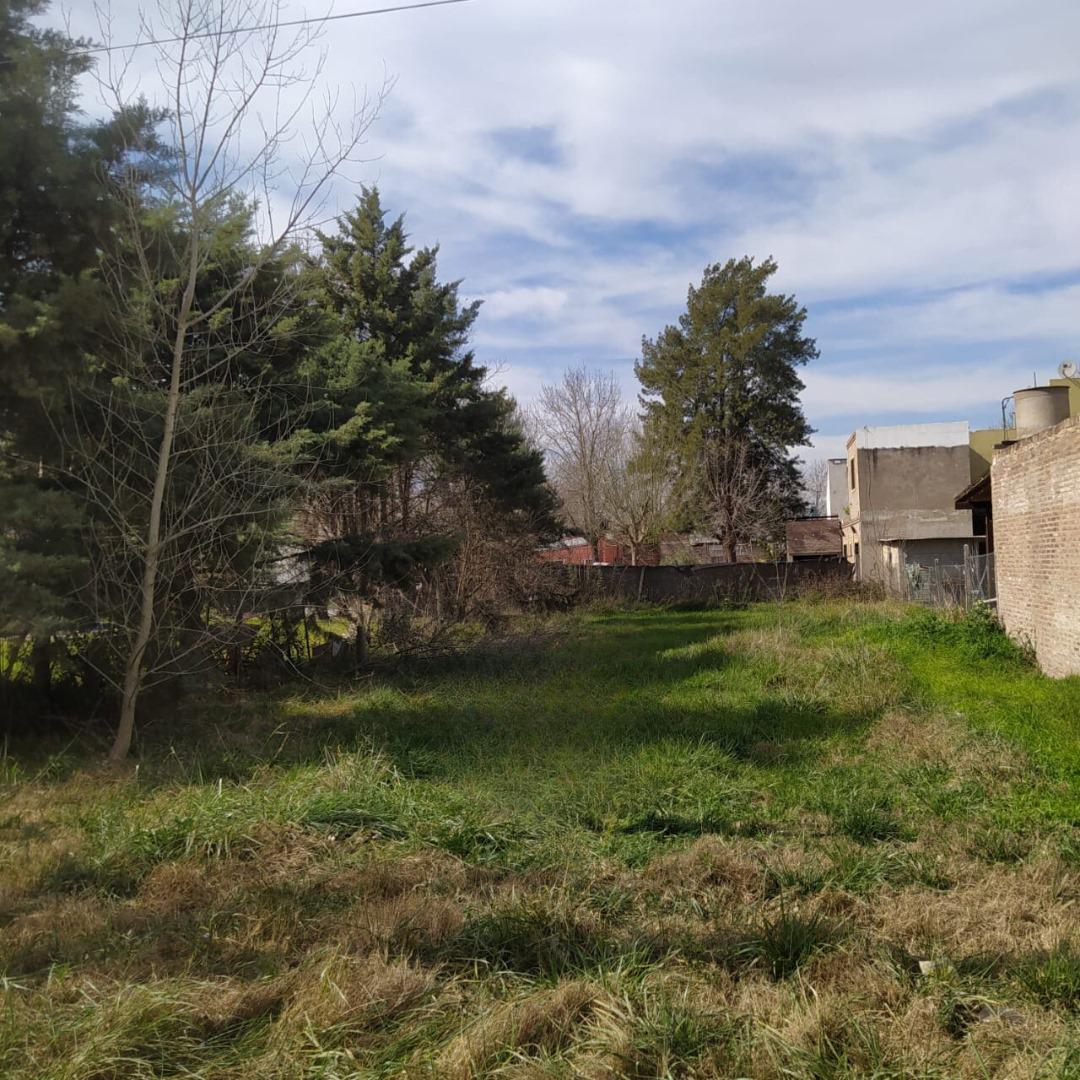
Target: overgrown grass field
820,839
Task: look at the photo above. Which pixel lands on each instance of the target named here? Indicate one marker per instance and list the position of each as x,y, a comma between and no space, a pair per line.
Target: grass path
647,844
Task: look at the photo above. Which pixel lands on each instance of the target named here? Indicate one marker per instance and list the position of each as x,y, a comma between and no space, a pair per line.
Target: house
901,513
573,550
614,553
702,549
577,551
814,538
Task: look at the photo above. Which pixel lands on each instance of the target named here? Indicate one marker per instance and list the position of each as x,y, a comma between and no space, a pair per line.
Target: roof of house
565,542
814,536
976,494
966,538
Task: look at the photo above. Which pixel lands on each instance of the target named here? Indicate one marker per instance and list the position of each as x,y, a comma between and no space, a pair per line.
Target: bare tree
815,482
581,423
637,486
744,505
242,118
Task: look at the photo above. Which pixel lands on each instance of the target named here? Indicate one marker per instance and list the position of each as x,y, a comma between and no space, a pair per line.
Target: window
851,473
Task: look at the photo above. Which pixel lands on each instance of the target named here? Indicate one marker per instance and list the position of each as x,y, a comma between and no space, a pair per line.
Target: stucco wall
1036,493
908,493
836,491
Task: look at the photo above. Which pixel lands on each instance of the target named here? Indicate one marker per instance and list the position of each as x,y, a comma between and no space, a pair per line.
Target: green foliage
531,938
1052,978
866,817
782,942
401,420
977,632
727,374
51,221
397,384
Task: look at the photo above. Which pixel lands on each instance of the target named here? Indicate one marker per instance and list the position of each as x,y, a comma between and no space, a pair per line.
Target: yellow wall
1074,393
983,440
982,443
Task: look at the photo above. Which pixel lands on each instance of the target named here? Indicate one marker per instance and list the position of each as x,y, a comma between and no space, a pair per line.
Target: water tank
1039,408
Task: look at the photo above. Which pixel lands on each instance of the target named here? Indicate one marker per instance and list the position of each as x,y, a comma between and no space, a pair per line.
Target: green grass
623,843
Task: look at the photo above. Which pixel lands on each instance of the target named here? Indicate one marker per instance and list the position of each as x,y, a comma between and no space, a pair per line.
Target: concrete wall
983,441
906,493
1074,393
1036,493
900,436
836,492
716,584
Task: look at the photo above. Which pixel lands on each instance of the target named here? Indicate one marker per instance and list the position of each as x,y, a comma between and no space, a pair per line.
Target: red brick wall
1036,497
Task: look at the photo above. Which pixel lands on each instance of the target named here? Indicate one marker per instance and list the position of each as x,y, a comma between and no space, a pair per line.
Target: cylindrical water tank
1039,408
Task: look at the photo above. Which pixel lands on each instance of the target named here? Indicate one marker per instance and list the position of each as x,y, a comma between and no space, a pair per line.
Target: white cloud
982,314
926,153
961,390
529,303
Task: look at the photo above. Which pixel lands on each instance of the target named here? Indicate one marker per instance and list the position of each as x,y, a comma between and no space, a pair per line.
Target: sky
914,169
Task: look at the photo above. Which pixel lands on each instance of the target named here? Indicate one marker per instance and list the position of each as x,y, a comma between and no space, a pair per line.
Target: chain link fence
953,584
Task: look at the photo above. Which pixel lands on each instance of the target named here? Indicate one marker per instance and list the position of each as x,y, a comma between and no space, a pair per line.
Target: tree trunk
360,645
731,551
41,665
133,668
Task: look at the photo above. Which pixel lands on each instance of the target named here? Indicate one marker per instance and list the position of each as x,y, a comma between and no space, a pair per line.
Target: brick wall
1036,498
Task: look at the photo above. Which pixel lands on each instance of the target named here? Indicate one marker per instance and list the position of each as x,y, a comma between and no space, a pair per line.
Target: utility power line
268,26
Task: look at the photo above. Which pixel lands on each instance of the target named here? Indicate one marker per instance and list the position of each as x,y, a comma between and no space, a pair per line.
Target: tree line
712,447
223,416
210,407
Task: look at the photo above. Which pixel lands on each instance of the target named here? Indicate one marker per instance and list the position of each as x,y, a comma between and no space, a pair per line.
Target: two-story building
900,513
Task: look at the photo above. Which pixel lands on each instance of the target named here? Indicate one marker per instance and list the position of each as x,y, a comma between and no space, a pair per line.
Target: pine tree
55,217
401,410
727,376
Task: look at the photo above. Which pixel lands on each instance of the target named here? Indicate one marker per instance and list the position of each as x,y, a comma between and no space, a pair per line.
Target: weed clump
1052,978
976,632
781,943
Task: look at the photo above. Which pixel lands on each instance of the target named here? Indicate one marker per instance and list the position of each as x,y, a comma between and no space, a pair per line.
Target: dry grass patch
541,1022
732,871
61,929
357,993
1003,911
415,923
384,878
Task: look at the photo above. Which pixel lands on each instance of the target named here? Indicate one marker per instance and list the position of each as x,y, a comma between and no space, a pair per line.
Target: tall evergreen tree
725,376
401,408
55,217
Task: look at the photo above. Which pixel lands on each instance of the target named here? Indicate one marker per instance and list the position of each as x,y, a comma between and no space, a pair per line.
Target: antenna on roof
1069,369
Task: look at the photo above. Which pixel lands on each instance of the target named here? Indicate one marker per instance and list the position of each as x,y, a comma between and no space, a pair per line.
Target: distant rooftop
814,536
